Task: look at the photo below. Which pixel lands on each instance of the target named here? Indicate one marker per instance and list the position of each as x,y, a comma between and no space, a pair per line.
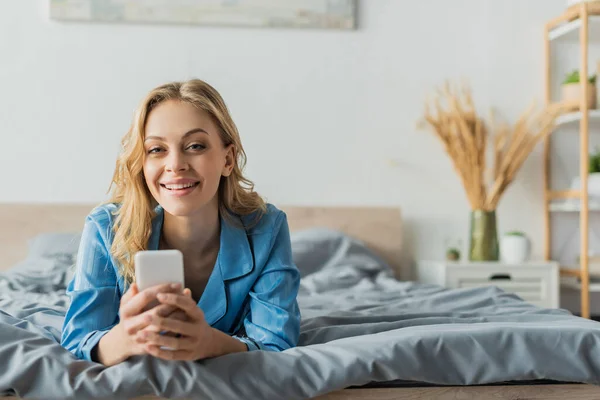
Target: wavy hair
136,206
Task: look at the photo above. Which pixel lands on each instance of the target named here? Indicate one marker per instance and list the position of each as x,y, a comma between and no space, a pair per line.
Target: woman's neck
192,235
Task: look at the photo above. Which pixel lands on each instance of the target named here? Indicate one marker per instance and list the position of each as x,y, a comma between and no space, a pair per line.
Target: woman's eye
196,146
154,150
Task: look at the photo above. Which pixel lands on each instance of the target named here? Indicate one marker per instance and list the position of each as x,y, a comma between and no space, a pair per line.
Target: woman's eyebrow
188,133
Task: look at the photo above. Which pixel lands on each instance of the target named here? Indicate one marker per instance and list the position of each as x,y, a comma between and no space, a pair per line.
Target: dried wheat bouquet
465,137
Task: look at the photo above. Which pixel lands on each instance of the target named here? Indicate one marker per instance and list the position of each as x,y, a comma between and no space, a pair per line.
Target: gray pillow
318,248
52,244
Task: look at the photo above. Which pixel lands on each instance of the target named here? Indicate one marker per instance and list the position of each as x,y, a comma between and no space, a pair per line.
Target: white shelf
593,115
572,206
573,283
570,30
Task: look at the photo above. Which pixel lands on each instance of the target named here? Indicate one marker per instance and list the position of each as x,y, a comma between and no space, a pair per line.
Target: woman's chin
184,207
179,210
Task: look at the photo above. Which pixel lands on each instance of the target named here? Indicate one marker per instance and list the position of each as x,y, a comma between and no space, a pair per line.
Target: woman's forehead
177,119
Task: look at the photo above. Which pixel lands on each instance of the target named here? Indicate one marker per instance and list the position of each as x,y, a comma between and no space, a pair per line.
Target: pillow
312,248
315,249
51,244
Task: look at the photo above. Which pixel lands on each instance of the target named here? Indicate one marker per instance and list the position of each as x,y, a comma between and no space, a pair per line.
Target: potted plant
453,246
571,91
453,254
593,176
514,247
594,161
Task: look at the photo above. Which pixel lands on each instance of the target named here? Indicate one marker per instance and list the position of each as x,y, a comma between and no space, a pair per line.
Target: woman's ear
229,160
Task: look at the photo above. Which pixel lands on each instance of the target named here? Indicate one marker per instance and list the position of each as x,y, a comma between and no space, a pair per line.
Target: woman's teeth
179,187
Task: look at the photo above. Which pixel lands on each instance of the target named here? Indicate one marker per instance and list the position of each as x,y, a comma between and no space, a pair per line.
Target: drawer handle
498,277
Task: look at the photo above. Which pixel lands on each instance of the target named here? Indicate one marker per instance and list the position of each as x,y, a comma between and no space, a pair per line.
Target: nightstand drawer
531,289
532,285
535,282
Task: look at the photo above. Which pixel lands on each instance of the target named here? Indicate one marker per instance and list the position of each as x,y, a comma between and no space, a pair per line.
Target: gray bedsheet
359,326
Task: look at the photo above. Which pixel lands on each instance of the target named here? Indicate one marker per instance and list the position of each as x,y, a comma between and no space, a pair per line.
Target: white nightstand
535,282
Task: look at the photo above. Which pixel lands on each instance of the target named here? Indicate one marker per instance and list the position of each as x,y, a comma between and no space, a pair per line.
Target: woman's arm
112,349
225,344
95,297
273,323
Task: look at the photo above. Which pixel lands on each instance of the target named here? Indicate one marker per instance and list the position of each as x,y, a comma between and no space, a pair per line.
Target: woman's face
184,157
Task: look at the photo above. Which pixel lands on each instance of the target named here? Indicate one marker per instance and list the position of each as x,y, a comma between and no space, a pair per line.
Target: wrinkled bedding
359,326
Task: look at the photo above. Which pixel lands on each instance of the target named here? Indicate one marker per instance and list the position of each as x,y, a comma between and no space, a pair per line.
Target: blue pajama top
250,295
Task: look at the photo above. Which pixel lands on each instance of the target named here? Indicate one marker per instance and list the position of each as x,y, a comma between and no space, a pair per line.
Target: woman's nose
176,162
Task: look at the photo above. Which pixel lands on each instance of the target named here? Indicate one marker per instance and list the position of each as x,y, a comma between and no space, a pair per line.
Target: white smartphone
155,267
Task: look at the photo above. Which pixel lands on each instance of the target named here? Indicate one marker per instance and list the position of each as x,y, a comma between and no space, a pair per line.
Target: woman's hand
119,343
135,315
191,337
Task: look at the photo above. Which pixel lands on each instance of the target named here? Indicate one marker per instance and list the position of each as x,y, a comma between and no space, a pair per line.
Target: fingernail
161,296
175,285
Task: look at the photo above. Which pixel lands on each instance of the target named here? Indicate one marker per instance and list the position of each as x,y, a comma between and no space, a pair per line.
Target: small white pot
593,184
514,249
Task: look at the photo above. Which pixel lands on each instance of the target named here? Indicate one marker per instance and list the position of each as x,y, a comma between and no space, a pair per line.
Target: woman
178,184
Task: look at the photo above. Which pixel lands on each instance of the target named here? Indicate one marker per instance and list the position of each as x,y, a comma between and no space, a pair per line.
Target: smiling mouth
175,188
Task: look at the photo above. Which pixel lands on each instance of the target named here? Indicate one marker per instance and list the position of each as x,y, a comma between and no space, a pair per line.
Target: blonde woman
178,184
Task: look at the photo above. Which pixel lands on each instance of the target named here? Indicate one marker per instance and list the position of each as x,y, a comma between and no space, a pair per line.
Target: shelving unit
573,283
573,117
567,206
572,28
581,20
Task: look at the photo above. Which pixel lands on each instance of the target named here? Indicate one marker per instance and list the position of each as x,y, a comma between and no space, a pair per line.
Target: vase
483,236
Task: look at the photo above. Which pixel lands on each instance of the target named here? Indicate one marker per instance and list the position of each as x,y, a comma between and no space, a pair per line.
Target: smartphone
155,267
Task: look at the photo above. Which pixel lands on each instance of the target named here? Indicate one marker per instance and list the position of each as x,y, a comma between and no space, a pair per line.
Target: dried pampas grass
465,138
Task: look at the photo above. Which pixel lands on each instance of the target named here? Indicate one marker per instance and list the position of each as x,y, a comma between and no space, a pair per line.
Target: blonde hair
133,223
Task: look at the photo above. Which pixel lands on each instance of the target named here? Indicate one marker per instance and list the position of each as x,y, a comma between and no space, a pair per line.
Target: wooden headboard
379,227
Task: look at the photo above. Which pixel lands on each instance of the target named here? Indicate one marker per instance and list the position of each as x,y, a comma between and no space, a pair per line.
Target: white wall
328,110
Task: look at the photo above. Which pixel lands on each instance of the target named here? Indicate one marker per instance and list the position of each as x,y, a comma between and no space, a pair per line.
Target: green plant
573,77
514,233
594,162
453,254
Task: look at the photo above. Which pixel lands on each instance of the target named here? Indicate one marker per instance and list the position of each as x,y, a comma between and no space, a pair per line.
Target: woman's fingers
161,324
132,291
137,303
184,302
178,314
133,324
163,310
156,351
176,343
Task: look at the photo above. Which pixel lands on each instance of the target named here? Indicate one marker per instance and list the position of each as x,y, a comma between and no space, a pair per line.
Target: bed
366,333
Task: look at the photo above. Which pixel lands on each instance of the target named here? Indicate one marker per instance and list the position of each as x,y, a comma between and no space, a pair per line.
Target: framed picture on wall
320,14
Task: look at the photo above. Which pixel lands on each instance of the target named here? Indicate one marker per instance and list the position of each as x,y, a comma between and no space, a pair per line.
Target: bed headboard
379,227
